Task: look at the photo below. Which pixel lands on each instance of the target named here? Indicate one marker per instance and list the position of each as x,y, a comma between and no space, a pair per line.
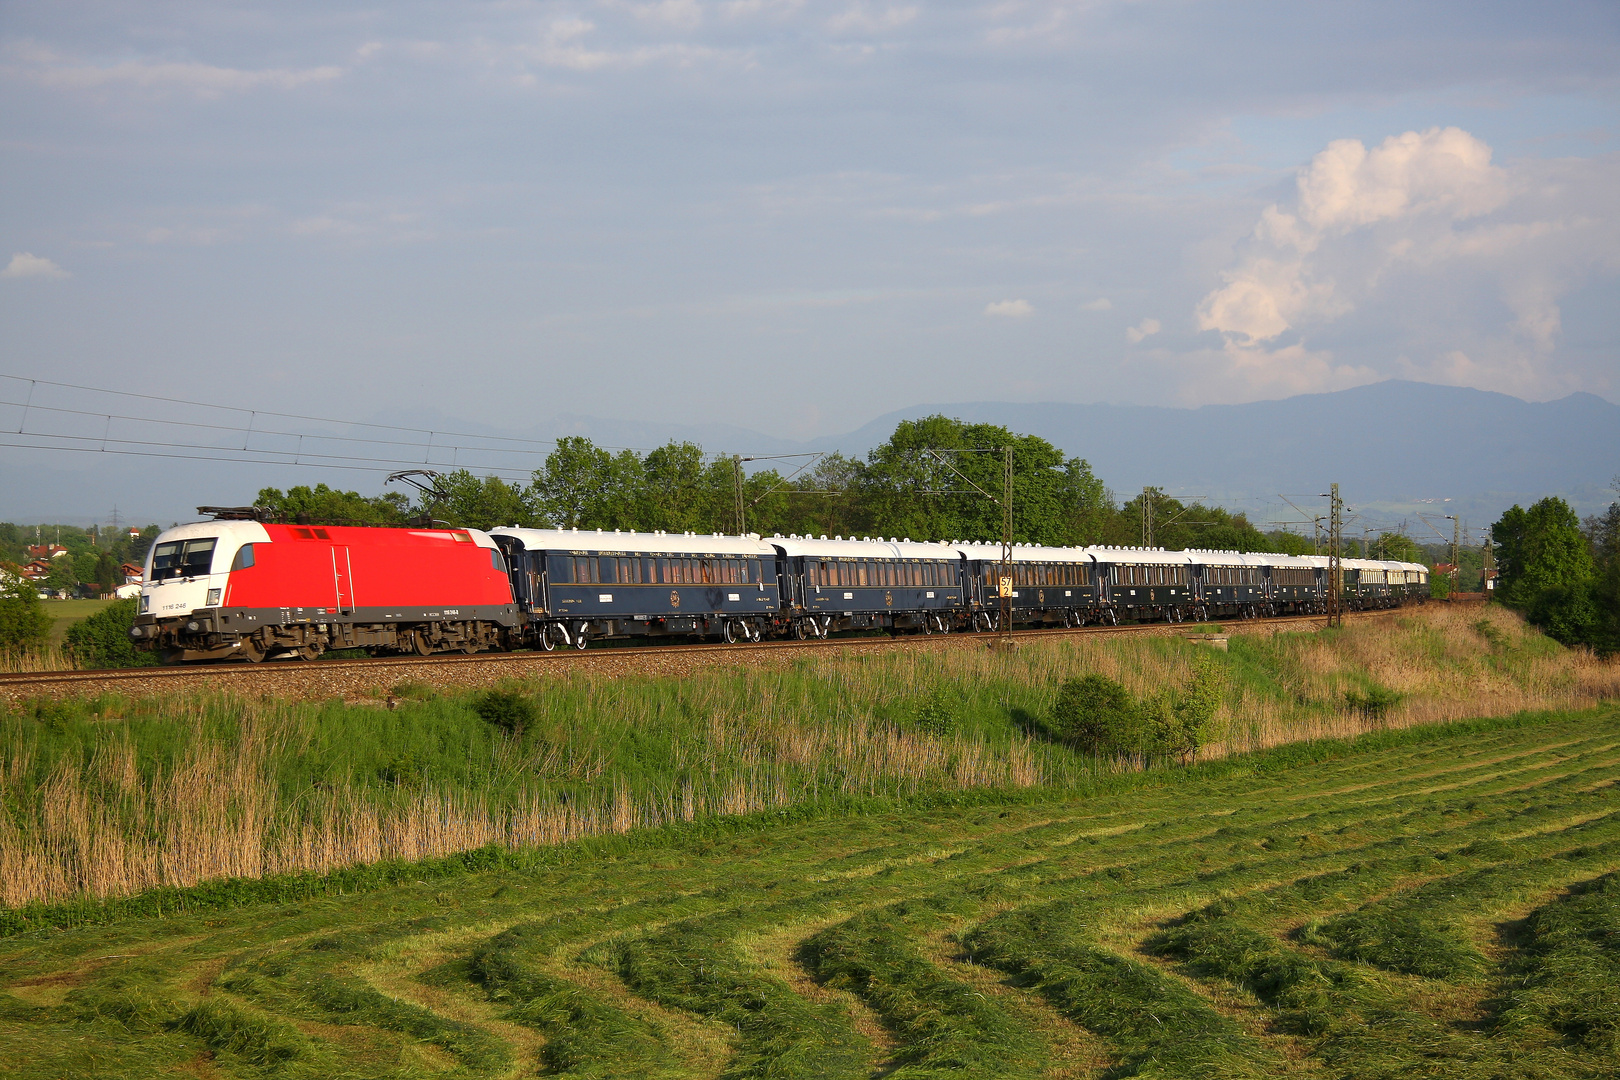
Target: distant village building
46,551
134,573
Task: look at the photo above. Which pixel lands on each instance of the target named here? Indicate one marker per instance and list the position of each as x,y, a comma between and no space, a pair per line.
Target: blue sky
794,217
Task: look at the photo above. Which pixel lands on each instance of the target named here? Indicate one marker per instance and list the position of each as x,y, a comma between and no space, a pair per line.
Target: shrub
936,713
506,709
102,640
1374,705
1097,714
23,623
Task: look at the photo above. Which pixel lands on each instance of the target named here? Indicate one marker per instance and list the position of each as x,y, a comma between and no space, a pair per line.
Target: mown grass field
1433,902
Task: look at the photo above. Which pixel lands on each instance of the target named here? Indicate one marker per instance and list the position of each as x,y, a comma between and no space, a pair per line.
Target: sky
794,217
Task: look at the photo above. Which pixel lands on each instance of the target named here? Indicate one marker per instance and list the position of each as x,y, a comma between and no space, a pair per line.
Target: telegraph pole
1458,528
1006,547
1487,564
1335,611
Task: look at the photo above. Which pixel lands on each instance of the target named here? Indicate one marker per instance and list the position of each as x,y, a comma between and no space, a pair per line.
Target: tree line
934,479
1563,573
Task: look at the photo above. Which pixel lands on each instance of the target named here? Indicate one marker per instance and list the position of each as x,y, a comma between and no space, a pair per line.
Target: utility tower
1335,606
1147,517
737,478
1487,565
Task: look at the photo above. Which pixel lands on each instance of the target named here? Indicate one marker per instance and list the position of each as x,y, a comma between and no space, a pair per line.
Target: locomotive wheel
251,650
309,652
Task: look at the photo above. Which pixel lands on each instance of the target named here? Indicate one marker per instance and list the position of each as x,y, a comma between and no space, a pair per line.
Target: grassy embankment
1433,902
110,797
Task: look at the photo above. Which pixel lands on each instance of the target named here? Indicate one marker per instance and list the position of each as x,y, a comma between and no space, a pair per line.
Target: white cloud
1423,241
1010,309
25,264
1142,330
1102,303
47,68
1443,175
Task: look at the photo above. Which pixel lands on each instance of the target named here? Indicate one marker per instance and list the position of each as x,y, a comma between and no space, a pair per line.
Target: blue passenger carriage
1146,583
575,585
1050,586
833,585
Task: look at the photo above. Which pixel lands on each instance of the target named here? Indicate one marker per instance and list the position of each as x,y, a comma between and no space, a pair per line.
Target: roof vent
824,536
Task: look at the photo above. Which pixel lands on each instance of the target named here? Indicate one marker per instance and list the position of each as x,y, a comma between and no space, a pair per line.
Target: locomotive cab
187,575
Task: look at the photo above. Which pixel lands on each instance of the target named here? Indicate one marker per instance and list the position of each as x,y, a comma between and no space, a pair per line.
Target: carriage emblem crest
674,598
888,599
1041,596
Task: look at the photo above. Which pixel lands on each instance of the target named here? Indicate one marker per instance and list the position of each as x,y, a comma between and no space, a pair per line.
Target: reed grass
106,796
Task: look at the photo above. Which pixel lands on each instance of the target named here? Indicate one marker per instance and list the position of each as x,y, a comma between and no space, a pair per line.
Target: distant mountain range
1398,450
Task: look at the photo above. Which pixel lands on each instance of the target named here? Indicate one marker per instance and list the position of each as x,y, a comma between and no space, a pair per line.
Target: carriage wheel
547,641
728,632
579,637
802,631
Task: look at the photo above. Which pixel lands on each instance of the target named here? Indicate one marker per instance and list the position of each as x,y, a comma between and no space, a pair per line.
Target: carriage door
343,580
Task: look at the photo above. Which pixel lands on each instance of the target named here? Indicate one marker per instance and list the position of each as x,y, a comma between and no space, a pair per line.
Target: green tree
1540,548
322,505
582,486
683,492
942,479
23,622
473,502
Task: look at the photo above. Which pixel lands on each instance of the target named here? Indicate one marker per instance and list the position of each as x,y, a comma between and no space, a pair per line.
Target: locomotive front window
244,557
183,558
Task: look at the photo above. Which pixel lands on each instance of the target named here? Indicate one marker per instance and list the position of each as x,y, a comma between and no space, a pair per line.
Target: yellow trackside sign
1006,587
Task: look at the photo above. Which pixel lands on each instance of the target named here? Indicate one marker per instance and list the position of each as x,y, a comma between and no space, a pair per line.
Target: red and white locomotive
228,589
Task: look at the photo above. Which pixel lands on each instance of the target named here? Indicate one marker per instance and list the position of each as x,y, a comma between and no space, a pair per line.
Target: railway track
370,678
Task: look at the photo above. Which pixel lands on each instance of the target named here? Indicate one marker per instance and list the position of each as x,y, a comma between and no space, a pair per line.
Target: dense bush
102,640
1098,715
23,622
505,709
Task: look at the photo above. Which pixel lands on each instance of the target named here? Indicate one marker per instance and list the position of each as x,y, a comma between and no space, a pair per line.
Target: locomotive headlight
213,598
194,626
146,603
135,632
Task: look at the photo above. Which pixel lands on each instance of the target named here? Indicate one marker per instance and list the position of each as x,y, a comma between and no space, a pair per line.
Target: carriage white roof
871,548
653,543
1140,556
1025,553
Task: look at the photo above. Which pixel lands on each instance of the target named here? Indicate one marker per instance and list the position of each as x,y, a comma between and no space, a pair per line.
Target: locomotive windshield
183,558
